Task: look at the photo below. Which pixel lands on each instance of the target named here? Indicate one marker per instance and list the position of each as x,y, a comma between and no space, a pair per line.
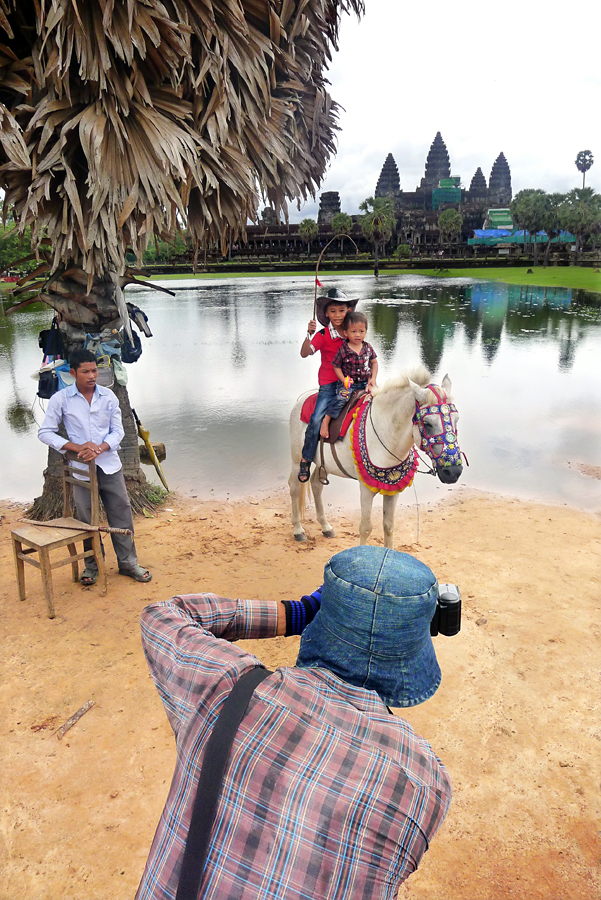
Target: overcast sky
515,76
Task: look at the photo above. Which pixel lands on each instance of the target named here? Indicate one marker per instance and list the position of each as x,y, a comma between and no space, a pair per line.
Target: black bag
48,384
51,342
131,351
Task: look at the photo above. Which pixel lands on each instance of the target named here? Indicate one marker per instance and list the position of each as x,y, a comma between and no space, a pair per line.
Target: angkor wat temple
417,211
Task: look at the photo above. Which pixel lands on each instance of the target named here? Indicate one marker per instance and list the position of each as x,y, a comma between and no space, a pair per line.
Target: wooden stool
41,539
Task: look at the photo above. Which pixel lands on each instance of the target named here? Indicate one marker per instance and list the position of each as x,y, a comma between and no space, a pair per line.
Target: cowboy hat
334,295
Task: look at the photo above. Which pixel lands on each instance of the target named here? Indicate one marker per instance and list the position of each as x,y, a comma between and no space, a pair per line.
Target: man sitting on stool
92,419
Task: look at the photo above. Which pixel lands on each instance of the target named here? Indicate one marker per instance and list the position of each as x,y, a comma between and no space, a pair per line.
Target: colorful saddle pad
309,406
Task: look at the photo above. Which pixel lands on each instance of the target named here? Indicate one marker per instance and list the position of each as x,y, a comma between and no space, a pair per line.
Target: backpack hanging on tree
131,351
51,342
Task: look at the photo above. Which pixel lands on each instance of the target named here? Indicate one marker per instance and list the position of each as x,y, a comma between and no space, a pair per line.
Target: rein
388,480
427,471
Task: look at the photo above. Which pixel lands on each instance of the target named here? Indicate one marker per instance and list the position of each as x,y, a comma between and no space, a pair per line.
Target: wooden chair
41,539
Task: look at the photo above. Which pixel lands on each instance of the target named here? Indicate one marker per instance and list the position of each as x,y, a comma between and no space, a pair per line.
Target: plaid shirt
326,796
357,365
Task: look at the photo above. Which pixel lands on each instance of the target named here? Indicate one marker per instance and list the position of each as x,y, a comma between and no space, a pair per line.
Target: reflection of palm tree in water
18,414
238,350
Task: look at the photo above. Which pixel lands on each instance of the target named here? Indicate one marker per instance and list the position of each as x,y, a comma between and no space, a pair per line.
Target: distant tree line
578,212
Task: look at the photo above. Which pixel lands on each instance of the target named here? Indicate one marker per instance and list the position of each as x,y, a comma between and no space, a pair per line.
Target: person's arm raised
307,348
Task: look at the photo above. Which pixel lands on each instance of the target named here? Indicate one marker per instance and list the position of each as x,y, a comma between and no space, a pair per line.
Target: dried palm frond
120,119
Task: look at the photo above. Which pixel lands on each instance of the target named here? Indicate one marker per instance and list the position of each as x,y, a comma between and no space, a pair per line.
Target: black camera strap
211,778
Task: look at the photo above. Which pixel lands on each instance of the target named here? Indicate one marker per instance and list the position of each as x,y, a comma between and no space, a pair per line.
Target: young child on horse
355,365
330,311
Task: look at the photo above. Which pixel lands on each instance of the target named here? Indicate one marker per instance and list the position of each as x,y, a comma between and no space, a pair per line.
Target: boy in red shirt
331,311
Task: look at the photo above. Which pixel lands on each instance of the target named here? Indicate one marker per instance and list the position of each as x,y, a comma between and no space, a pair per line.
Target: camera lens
449,603
447,616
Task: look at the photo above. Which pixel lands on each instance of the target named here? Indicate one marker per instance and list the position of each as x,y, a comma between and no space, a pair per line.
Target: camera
447,615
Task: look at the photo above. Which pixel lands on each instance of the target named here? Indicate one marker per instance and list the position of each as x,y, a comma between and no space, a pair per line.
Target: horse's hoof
300,537
329,534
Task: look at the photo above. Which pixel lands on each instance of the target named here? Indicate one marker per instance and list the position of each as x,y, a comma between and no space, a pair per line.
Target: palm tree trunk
547,250
376,266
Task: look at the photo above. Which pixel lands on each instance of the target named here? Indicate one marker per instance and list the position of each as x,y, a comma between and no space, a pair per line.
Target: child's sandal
303,475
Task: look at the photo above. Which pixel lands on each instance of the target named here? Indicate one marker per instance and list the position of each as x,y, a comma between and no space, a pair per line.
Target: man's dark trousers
113,494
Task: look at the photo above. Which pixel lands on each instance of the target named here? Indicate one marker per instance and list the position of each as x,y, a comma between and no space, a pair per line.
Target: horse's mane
420,375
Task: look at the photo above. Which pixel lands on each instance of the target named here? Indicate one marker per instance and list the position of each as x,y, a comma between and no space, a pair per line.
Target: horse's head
435,428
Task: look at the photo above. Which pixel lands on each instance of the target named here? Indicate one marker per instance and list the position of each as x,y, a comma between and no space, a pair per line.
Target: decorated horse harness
441,446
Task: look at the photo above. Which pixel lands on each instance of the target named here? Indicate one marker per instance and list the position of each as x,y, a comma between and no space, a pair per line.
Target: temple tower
329,205
389,182
478,184
269,217
438,164
499,183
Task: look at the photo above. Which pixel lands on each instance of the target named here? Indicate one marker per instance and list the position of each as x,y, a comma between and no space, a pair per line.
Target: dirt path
516,719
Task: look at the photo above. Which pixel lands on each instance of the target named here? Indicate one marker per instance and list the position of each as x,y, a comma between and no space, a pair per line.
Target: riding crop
81,526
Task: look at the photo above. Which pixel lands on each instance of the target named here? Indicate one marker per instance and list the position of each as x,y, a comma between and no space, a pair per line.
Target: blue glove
300,612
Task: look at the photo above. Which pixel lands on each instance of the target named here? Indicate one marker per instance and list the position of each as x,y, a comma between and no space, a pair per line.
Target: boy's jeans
325,396
335,407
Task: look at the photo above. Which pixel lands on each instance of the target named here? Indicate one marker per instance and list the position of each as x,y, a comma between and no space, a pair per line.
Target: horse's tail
304,498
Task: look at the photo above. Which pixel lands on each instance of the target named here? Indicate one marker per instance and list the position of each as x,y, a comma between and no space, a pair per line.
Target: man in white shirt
92,420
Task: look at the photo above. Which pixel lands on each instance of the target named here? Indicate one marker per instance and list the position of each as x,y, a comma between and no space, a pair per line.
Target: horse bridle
447,438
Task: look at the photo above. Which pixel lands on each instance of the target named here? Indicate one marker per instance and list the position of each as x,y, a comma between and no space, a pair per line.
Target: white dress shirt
98,421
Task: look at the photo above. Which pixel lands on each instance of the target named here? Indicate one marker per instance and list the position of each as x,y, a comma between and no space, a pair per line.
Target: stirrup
322,473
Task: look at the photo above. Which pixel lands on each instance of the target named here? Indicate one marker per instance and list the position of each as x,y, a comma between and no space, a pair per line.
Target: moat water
218,379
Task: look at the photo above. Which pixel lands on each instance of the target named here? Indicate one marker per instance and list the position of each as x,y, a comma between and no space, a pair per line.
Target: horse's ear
419,392
446,384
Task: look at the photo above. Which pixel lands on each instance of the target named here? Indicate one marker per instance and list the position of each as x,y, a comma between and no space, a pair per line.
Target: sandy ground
516,719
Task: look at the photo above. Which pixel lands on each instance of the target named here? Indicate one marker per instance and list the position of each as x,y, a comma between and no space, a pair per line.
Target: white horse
407,410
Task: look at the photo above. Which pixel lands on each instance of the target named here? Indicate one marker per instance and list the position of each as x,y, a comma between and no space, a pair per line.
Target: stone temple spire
438,164
478,186
389,182
499,184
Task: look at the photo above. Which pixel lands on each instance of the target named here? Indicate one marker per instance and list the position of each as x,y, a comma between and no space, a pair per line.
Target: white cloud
522,78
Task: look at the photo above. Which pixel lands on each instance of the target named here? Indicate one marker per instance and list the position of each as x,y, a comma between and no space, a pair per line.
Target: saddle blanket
309,406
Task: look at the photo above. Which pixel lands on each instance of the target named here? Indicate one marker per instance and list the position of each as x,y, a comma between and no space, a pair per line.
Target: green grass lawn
555,276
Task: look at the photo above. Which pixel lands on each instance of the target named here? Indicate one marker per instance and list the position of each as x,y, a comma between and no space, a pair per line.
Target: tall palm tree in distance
342,224
378,223
121,122
584,161
308,229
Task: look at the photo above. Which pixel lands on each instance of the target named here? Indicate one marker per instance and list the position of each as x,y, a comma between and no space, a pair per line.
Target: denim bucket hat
373,628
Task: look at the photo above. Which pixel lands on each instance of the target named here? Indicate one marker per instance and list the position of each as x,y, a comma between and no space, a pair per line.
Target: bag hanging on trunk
51,342
131,351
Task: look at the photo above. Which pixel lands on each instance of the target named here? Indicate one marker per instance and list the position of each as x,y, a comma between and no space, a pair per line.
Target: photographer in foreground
326,794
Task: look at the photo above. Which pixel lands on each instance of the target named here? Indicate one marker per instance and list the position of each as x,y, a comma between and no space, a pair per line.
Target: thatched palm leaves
120,120
139,115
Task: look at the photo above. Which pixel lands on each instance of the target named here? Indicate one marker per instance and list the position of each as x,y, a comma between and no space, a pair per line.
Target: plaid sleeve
187,644
372,353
